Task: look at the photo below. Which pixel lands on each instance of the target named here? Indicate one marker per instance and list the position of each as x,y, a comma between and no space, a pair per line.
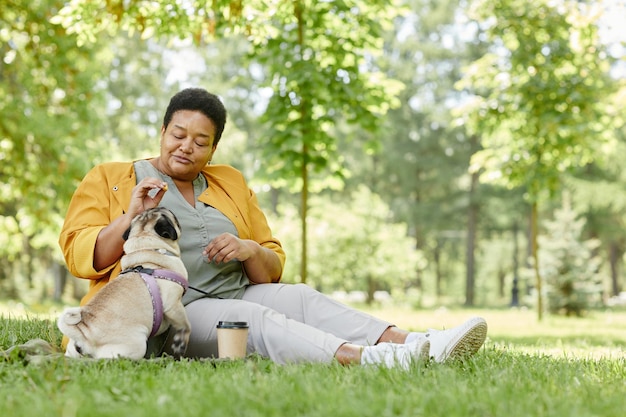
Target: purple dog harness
148,275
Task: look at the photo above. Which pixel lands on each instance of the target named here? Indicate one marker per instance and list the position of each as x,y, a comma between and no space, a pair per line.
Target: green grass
559,367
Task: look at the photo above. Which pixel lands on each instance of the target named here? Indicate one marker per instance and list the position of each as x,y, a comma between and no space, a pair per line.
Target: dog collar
166,252
148,275
162,251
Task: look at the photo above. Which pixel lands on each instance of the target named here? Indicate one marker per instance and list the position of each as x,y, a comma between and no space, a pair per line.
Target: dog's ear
126,233
165,228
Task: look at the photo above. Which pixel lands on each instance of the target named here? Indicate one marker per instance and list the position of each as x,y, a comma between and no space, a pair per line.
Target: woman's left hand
227,247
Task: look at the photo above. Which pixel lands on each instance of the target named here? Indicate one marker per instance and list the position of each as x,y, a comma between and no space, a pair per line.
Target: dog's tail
71,324
68,321
71,316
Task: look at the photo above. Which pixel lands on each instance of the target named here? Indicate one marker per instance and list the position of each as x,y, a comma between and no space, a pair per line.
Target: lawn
559,367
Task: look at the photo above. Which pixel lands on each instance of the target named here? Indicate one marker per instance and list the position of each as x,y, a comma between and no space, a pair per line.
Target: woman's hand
227,247
261,264
146,195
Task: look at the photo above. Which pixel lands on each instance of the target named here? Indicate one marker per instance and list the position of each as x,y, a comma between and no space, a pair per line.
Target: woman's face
186,145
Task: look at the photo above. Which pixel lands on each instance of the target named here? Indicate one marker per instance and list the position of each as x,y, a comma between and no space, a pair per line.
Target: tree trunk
60,281
515,286
304,202
615,255
371,289
535,255
26,259
472,220
418,283
274,193
8,285
501,281
438,275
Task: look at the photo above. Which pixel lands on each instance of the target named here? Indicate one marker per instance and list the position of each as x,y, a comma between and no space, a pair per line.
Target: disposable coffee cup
232,339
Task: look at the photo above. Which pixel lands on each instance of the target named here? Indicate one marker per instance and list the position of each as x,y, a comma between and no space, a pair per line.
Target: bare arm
110,244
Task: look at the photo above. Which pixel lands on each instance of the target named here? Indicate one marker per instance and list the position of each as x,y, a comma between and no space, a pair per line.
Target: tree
47,90
357,246
569,266
421,163
539,97
597,191
319,57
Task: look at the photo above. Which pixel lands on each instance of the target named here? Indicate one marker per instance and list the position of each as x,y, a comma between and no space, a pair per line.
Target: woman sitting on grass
233,260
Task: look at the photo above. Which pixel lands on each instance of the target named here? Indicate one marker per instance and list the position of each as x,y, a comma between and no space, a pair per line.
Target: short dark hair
198,99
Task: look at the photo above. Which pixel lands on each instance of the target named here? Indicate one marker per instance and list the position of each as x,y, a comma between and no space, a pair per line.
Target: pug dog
143,301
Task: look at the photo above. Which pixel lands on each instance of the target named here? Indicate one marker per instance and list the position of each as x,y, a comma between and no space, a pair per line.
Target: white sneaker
458,342
394,355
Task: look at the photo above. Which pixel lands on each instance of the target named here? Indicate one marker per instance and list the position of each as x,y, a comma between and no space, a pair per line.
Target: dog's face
150,235
157,220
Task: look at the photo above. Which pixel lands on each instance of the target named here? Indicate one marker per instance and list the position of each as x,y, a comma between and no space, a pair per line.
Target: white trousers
288,323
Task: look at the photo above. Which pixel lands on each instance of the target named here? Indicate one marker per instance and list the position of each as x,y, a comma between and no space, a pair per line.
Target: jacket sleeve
90,210
261,232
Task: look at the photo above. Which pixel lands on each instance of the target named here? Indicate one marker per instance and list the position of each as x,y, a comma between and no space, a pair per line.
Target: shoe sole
469,340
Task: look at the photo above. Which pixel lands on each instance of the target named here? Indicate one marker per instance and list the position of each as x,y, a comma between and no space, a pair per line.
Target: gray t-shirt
199,225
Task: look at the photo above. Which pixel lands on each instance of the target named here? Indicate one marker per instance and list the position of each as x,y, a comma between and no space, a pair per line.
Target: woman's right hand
146,195
109,243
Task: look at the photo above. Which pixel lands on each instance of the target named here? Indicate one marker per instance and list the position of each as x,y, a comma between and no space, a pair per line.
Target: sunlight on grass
600,334
597,335
16,309
572,367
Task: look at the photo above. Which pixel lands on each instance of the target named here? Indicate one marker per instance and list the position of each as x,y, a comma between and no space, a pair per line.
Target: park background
413,152
425,160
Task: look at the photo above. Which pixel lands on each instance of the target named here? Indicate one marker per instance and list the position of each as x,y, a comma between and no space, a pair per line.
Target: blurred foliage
326,97
538,99
540,94
48,95
319,59
48,132
354,245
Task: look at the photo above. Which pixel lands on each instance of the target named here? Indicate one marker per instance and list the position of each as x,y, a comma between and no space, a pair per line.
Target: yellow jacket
104,194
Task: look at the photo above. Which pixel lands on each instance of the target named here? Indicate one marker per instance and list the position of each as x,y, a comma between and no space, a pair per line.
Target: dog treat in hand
153,192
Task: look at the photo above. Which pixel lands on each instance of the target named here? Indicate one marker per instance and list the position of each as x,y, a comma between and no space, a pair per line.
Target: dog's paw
179,343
